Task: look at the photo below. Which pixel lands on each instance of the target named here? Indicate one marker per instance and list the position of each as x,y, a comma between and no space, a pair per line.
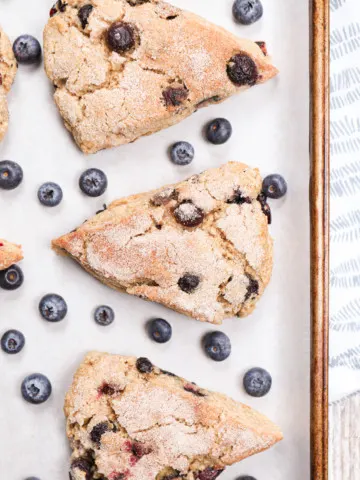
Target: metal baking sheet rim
319,209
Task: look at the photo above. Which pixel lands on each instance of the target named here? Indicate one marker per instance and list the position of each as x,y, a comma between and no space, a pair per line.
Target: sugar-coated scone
9,254
127,68
127,419
201,247
7,74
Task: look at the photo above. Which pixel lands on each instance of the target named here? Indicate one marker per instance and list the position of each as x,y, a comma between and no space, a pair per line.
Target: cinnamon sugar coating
7,74
178,62
9,254
142,244
124,424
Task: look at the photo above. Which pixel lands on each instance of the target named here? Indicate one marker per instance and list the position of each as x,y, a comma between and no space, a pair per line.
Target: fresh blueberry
59,6
242,70
274,186
247,11
265,208
257,382
188,283
104,315
52,307
27,49
98,431
11,278
11,175
32,478
182,153
160,330
81,467
84,13
36,388
93,182
120,37
144,365
174,97
246,477
133,3
12,341
209,473
50,194
189,214
218,131
217,346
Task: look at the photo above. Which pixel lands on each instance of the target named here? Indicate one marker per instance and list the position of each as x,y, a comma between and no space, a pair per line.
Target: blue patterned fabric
345,198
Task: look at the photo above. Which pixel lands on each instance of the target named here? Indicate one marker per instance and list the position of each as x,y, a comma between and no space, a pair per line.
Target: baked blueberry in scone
7,74
127,419
9,254
127,68
201,247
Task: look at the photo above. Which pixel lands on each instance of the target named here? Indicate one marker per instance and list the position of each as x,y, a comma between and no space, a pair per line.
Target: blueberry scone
7,74
127,68
201,247
127,419
9,254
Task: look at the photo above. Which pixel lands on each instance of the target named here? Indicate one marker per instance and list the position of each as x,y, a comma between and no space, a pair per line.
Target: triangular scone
127,68
201,247
9,254
127,419
7,75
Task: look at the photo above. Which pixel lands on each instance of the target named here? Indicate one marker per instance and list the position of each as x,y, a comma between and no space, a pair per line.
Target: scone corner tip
10,254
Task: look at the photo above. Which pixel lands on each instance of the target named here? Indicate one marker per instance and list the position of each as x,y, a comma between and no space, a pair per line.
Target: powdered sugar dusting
187,212
199,62
245,230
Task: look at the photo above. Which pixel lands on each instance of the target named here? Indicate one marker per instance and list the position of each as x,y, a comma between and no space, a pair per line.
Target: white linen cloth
344,419
345,199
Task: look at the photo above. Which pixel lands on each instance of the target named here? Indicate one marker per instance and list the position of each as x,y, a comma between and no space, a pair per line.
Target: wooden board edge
319,211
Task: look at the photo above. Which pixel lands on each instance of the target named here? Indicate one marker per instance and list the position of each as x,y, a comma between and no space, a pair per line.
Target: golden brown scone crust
144,245
7,74
108,99
9,254
126,424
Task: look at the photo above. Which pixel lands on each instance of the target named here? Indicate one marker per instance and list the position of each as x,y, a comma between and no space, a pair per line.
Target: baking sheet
270,130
